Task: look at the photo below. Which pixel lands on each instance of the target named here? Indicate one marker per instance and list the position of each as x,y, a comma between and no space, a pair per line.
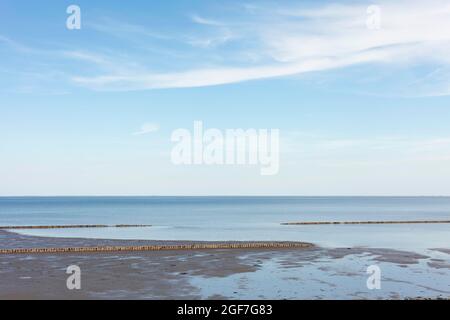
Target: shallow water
330,278
239,218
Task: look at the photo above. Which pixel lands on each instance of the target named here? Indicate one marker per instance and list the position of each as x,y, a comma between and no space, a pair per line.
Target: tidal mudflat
308,273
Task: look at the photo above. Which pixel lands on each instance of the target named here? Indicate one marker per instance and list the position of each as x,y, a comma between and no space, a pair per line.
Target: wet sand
168,274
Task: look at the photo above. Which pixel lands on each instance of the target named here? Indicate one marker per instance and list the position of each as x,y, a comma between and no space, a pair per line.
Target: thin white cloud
120,29
86,56
222,33
287,40
209,22
219,76
300,40
375,151
20,47
207,42
15,45
146,128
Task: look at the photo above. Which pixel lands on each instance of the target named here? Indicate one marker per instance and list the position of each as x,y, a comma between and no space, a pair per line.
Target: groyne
365,222
75,226
194,246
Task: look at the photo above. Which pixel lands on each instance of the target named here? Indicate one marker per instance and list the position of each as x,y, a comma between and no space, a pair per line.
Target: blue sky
360,111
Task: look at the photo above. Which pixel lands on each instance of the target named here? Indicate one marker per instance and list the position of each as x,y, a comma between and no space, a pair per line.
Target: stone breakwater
74,226
199,246
364,222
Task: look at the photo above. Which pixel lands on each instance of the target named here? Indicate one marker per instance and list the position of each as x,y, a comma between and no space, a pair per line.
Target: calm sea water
239,218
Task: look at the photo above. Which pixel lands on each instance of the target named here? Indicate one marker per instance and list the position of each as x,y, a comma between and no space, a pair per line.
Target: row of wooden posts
75,226
366,222
195,246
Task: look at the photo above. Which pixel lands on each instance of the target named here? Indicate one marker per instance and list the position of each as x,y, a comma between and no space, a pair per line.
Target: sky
359,90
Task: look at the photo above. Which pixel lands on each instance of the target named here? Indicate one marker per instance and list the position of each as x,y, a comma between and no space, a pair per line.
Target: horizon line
221,195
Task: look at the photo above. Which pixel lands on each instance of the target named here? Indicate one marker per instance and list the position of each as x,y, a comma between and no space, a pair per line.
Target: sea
239,218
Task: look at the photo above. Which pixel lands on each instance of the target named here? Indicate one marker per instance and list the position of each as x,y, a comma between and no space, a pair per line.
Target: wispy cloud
120,29
211,41
286,39
368,150
219,76
302,40
86,56
19,47
209,22
146,128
